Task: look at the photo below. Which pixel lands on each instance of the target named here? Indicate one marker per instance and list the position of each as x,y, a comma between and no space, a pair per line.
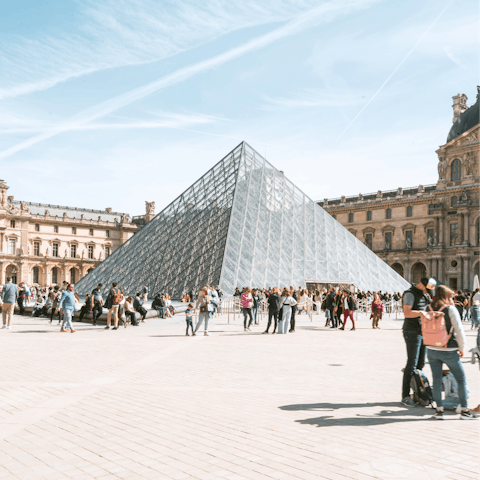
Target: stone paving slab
148,402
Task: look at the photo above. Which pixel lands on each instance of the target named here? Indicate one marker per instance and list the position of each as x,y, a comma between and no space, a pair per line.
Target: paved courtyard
148,402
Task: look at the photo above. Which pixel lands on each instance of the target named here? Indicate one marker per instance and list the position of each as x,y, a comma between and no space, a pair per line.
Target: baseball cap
430,283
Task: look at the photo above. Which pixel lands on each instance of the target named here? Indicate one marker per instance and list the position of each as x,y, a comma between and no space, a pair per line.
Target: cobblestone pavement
148,402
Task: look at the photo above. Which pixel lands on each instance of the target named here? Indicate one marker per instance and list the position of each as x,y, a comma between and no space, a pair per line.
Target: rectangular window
91,232
74,230
37,227
107,251
369,216
368,240
55,251
12,223
11,246
350,218
431,209
36,249
453,233
107,233
388,240
409,211
388,213
54,275
55,228
90,251
73,251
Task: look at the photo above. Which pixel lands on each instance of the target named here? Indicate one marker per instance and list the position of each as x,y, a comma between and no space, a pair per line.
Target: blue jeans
475,315
161,311
255,315
201,318
67,319
450,358
284,322
415,357
247,312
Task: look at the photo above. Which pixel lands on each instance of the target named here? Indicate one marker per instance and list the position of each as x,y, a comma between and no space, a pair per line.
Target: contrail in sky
398,66
323,13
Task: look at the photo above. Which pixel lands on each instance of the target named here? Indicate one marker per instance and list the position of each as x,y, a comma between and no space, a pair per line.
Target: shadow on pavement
381,418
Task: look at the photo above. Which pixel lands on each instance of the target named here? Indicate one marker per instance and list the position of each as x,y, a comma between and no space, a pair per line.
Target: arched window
55,275
369,216
456,170
35,274
454,201
418,272
409,211
388,213
398,268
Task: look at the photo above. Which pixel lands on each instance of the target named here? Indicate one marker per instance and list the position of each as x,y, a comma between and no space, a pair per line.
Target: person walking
55,299
203,303
449,355
114,299
377,310
330,307
9,298
275,302
415,302
97,304
348,309
67,303
246,300
474,304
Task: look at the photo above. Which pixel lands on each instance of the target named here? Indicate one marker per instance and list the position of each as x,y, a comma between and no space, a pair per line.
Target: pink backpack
434,329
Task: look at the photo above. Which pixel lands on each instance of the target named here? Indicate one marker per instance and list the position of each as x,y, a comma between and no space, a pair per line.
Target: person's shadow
387,415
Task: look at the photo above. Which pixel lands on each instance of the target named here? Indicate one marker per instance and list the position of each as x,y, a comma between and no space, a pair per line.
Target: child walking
189,318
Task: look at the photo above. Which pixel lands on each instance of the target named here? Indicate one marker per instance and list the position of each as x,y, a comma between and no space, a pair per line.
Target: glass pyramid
243,223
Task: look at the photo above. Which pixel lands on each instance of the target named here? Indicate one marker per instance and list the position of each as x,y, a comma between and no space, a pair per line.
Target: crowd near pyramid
242,223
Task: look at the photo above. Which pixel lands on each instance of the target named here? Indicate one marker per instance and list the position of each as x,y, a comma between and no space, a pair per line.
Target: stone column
430,267
434,268
466,274
440,237
408,273
2,273
461,221
2,235
440,270
466,223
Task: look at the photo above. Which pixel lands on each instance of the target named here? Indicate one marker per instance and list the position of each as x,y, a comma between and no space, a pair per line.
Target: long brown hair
442,296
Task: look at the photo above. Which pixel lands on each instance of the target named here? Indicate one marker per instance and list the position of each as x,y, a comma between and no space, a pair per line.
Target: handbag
203,309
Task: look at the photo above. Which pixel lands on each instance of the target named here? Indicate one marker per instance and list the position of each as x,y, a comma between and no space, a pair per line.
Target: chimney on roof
459,105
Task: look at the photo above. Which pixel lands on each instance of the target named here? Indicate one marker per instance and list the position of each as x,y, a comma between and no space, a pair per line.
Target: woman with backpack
449,354
114,299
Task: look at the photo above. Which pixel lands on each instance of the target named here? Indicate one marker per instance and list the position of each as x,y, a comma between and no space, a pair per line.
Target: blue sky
108,103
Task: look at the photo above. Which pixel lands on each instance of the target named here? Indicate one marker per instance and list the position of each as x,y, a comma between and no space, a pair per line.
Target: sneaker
107,328
95,324
468,415
438,415
263,333
205,334
115,328
408,402
4,326
9,327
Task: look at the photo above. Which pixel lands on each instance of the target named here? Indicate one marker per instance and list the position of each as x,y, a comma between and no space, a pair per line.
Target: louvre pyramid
242,223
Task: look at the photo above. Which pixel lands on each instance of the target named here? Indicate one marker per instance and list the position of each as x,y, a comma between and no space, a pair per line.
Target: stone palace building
429,229
47,244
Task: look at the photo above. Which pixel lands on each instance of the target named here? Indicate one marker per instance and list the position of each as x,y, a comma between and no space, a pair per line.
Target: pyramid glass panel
243,223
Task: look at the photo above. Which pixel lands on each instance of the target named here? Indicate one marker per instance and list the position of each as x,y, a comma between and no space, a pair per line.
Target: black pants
83,311
292,319
272,315
415,357
133,317
96,312
20,305
142,312
52,314
247,311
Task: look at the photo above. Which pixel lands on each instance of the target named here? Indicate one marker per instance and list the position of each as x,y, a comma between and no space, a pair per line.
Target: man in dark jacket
97,300
275,302
158,304
138,306
415,302
330,306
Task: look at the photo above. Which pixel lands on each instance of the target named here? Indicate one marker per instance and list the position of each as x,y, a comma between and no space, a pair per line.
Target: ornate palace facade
427,230
47,244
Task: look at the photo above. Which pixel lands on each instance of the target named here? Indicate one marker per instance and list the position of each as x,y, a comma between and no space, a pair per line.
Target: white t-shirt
476,299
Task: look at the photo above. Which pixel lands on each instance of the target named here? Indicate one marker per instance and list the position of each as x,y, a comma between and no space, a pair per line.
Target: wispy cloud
311,98
117,33
324,13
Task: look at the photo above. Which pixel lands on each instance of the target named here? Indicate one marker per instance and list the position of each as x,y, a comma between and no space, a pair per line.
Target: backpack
434,328
117,297
422,392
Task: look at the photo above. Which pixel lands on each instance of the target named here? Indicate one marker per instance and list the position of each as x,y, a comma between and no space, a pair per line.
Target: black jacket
158,302
275,302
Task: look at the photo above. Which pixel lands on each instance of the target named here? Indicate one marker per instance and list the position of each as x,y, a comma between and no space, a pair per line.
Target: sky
111,103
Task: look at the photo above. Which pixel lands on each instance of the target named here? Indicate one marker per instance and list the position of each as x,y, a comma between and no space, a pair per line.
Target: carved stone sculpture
124,218
442,168
421,189
387,245
379,194
399,191
150,208
360,197
343,199
325,202
430,241
408,242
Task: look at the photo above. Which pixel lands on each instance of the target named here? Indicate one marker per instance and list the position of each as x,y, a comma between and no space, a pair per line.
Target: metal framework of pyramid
242,224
